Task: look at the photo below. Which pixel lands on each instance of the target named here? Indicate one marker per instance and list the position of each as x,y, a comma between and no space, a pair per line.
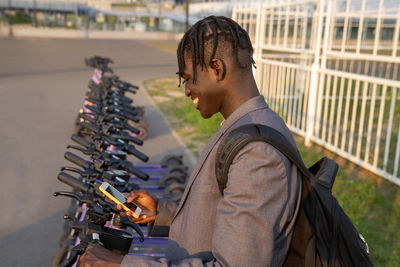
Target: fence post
312,97
258,41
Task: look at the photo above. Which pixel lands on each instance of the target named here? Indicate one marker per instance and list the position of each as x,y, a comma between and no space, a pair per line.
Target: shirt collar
254,103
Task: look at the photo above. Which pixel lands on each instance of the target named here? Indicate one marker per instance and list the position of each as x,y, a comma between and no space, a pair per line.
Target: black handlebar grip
126,109
80,140
125,99
73,182
131,110
131,128
86,117
134,86
134,139
77,160
133,151
89,126
130,117
94,109
127,85
131,91
139,173
93,100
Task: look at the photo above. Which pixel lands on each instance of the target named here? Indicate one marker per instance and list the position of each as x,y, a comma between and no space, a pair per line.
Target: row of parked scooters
109,129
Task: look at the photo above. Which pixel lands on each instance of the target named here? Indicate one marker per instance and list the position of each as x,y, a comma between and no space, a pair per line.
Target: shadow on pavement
34,245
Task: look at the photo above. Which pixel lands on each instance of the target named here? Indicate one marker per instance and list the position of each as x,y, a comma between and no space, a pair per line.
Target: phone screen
115,193
111,192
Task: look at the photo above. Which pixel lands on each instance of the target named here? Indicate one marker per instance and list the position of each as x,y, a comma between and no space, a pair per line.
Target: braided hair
214,32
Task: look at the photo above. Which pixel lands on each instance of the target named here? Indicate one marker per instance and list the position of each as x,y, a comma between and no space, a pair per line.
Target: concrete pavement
42,86
41,32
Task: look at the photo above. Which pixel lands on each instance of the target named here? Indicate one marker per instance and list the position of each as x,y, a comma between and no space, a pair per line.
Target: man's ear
218,65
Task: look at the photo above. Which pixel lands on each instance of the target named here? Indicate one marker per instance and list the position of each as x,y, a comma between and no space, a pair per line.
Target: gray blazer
252,223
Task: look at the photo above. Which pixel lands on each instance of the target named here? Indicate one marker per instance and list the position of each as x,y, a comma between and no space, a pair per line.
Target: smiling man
251,224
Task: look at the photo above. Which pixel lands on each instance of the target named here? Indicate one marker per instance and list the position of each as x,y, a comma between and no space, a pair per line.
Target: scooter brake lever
88,151
107,204
86,173
72,169
67,194
80,198
135,227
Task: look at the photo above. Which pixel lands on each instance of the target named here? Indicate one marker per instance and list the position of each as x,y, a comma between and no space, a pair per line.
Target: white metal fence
331,69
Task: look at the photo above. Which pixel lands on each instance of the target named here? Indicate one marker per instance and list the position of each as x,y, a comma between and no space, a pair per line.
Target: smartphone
118,198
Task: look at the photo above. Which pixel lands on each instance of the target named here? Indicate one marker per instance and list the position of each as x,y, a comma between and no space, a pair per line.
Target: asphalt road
42,86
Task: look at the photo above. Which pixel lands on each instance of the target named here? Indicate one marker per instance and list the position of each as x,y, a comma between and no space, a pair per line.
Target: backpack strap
234,141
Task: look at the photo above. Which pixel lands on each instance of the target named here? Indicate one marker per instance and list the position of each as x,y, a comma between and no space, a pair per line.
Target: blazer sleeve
166,209
254,218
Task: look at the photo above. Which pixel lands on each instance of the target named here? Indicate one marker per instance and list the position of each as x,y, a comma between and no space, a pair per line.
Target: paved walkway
42,86
29,31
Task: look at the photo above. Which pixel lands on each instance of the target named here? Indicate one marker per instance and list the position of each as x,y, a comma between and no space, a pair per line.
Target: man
251,224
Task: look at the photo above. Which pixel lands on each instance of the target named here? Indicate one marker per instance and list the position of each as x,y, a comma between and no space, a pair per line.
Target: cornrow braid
216,28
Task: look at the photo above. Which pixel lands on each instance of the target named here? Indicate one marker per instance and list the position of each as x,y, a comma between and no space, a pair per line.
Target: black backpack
323,234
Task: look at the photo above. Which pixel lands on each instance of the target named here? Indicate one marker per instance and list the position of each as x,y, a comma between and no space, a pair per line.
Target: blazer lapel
251,105
200,162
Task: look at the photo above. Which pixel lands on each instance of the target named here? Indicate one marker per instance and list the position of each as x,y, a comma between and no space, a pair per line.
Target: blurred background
123,16
329,68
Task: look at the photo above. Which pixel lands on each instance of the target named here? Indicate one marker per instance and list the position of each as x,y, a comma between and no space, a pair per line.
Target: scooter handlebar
73,182
80,140
77,160
133,151
135,171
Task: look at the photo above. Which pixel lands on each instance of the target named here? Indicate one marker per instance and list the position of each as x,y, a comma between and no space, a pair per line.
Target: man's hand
148,204
97,255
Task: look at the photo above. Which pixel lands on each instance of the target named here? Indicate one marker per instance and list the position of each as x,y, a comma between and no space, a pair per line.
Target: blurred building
167,15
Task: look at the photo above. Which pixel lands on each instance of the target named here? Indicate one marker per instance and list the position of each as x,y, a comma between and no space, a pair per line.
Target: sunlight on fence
331,70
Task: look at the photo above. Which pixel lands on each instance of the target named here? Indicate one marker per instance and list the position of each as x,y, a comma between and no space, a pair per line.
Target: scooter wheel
167,180
175,170
171,160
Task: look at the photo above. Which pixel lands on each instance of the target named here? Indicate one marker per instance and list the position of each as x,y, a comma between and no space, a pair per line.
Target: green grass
19,18
350,94
372,203
179,110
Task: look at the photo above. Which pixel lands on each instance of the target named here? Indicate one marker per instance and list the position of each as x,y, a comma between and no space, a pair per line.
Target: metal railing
331,70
